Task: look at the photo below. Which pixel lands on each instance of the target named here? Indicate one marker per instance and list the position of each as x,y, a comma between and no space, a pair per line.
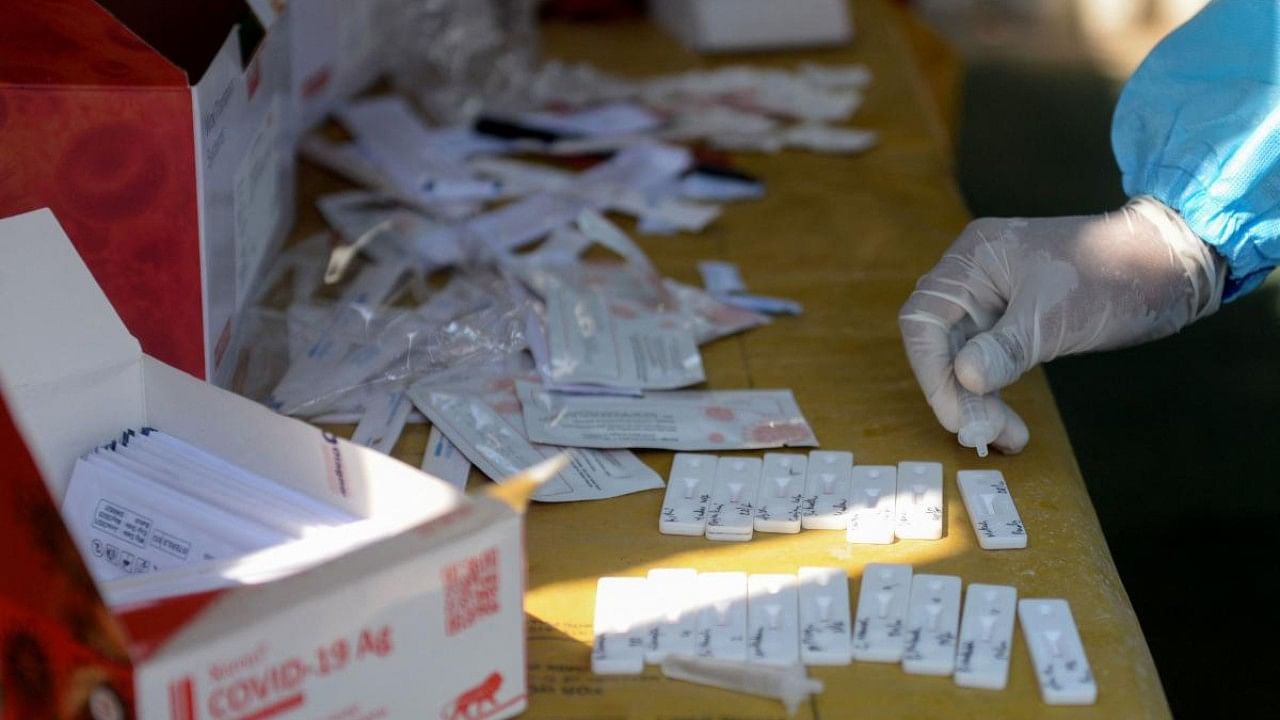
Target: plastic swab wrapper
787,684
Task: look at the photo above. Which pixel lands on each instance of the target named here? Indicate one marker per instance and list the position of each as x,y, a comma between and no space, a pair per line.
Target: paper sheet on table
682,420
482,418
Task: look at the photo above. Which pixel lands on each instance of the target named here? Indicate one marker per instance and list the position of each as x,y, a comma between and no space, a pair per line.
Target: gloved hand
1011,293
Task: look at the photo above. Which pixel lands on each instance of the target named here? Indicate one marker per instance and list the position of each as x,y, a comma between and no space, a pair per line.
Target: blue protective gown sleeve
1198,128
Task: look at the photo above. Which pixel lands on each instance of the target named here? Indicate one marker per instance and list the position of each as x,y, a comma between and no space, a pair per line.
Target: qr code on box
470,591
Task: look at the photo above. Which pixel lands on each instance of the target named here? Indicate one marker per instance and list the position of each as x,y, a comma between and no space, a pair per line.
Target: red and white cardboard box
160,133
426,622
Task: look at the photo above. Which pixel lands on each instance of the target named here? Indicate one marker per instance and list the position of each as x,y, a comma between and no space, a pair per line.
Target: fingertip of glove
1014,437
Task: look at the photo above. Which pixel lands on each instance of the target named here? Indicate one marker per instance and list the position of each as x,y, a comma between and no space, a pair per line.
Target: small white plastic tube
976,429
788,684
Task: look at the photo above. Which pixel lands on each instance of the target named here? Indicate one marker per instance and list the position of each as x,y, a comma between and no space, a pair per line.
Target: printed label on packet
718,420
592,342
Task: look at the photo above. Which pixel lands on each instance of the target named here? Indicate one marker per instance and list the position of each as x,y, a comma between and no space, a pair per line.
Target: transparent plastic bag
458,58
326,358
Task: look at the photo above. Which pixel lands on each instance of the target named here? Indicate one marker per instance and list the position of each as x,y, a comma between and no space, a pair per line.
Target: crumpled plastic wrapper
458,58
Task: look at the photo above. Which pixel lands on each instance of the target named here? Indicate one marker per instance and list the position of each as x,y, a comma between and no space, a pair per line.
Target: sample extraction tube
976,429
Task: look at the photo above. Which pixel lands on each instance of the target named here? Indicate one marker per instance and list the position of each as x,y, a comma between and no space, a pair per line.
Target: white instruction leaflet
482,418
593,343
689,420
126,524
211,479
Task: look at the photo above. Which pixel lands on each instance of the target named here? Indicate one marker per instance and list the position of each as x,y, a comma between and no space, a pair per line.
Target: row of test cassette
786,620
730,498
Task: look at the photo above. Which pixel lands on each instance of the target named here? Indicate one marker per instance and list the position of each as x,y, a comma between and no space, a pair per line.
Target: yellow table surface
846,236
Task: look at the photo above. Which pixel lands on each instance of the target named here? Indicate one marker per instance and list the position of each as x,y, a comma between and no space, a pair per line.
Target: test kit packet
425,622
162,134
684,420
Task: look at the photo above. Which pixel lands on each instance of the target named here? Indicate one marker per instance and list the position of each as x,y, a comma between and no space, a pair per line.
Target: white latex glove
1012,293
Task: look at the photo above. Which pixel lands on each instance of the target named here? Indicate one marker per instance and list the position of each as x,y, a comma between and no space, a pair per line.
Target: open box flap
69,368
57,323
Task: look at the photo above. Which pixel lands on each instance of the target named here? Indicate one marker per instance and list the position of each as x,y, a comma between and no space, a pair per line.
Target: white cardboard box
427,622
729,25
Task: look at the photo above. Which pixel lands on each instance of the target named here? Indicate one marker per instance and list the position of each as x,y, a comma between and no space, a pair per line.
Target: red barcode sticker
470,591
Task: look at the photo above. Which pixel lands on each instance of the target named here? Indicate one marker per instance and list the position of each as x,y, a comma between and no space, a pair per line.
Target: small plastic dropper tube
788,684
976,429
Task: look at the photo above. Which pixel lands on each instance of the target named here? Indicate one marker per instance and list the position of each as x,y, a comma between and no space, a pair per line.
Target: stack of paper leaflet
434,592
